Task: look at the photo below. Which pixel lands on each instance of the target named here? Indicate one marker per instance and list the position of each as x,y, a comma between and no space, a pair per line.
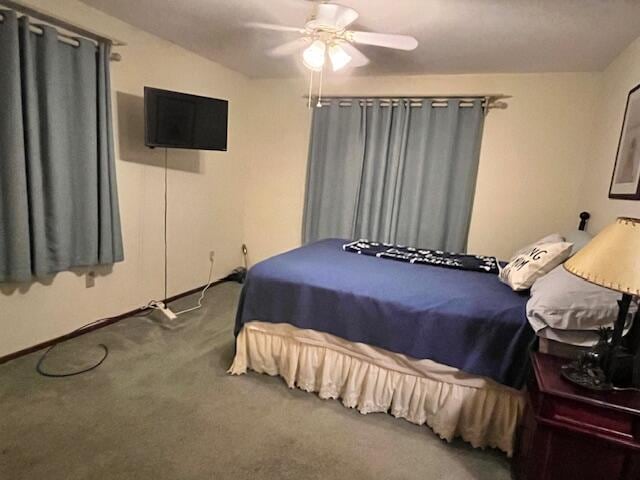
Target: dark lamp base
591,378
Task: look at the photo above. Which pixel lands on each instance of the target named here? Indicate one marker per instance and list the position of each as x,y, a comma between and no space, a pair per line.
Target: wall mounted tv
180,120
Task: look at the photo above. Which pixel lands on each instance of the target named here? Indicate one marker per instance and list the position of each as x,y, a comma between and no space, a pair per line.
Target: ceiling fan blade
358,59
289,48
346,17
387,40
273,27
333,15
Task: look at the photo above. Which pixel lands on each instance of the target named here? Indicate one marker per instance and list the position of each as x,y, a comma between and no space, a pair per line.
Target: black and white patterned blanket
475,263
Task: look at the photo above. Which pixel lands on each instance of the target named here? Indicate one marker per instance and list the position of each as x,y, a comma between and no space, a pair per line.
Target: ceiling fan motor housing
331,17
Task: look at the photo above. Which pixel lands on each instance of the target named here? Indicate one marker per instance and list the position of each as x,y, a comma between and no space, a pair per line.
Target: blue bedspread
468,320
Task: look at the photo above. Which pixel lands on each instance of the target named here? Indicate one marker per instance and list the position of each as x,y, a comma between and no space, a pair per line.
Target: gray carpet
162,407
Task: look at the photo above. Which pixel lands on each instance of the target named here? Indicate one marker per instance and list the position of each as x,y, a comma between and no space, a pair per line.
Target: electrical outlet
212,255
90,279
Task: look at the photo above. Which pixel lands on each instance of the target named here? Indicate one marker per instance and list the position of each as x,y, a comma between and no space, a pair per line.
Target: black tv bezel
150,144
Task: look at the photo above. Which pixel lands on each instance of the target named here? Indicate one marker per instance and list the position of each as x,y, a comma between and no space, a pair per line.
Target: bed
433,345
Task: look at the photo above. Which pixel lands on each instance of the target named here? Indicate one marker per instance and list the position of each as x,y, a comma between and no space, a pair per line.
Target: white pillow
553,238
535,261
562,301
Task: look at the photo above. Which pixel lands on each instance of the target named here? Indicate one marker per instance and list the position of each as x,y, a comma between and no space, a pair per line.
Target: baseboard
99,324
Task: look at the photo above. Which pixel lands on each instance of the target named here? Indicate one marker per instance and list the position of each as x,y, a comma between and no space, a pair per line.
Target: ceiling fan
325,35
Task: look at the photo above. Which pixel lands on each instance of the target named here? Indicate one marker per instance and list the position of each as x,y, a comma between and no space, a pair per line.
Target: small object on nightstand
587,370
611,260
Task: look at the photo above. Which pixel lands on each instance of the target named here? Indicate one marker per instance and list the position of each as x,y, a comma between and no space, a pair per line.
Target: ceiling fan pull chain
319,105
310,88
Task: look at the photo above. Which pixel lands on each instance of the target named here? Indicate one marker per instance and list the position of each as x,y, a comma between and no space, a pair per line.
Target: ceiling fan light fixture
314,55
339,58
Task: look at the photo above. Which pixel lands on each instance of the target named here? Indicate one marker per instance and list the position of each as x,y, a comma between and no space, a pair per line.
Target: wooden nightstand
572,433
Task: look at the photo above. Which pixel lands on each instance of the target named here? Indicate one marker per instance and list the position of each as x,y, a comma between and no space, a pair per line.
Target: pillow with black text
533,263
553,238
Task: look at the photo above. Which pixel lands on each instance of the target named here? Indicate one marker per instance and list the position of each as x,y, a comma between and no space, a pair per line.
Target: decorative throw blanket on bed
475,263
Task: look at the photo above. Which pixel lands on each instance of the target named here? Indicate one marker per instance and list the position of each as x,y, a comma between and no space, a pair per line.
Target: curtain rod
58,22
470,96
491,101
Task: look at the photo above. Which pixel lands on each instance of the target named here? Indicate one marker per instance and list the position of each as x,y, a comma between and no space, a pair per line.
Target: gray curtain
402,174
58,196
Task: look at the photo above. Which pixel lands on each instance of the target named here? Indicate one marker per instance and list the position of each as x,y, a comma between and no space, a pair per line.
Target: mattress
466,320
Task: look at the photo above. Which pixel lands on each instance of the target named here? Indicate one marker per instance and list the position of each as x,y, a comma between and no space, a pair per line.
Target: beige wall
205,194
617,80
531,162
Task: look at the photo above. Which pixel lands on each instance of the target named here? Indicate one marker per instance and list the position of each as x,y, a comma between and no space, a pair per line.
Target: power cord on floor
39,365
161,305
204,290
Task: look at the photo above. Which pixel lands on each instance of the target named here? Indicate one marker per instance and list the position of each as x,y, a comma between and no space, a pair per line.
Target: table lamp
612,260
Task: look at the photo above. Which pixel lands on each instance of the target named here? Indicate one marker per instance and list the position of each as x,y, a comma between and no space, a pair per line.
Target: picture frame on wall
625,180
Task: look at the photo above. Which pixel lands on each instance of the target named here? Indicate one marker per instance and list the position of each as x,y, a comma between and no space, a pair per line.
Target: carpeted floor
162,407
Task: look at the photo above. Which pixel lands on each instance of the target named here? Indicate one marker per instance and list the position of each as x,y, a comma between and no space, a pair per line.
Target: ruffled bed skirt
451,402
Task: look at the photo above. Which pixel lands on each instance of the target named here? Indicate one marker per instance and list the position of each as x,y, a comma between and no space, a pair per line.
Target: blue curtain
401,173
58,196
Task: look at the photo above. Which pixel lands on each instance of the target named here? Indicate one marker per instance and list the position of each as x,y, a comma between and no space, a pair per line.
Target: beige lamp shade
612,258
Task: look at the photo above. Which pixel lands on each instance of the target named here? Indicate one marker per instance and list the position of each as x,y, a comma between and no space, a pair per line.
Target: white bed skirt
451,402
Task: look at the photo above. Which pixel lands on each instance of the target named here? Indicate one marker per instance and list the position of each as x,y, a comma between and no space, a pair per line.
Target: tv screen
180,120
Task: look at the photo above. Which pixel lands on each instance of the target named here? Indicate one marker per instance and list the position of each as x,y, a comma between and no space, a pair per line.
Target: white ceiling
456,36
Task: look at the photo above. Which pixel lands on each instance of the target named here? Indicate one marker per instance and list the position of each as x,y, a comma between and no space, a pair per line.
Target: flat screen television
180,120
